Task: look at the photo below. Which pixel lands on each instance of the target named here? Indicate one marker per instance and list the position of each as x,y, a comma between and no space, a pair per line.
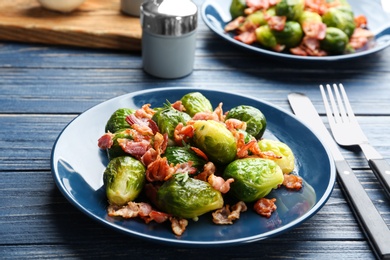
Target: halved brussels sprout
167,118
341,18
237,8
117,120
176,155
187,197
196,102
287,162
254,118
124,178
308,16
335,41
292,9
116,150
215,140
265,37
290,36
253,178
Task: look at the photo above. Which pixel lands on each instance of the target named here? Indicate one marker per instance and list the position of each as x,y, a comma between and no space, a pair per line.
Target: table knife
372,223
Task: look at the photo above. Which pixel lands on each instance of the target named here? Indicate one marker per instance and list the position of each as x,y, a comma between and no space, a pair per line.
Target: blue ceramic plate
215,13
78,165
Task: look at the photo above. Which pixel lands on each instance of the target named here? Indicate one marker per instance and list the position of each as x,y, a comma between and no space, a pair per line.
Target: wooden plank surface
95,24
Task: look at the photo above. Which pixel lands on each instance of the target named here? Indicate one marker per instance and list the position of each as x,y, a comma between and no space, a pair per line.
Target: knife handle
382,171
370,219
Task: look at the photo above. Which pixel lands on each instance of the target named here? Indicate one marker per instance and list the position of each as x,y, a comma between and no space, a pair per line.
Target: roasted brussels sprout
335,41
287,162
196,102
290,36
341,18
116,150
292,9
259,17
237,8
265,37
308,16
167,118
254,118
124,178
253,178
117,120
176,155
215,141
187,197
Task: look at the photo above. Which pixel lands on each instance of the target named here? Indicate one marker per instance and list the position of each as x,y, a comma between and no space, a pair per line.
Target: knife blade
370,220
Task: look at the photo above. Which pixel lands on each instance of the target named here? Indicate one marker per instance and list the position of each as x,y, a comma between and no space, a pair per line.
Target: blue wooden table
42,88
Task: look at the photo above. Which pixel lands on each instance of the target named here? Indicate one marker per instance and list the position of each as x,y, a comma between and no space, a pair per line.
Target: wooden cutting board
95,24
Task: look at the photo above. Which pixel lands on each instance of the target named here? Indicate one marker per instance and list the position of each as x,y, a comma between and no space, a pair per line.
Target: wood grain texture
95,24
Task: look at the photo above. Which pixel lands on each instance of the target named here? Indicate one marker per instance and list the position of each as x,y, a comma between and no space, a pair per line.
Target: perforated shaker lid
169,17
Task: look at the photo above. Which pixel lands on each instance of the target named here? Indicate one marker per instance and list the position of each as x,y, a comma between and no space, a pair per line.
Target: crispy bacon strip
277,23
145,112
235,24
178,105
293,182
226,215
106,141
219,183
208,169
265,207
183,133
178,225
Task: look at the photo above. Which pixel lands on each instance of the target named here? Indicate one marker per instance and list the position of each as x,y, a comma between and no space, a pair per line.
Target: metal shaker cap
169,17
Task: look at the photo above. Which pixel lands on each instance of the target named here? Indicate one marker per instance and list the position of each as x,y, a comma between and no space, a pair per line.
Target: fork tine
327,107
350,112
336,113
340,103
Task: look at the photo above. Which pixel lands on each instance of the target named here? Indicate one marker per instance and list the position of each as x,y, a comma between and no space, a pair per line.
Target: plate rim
266,235
291,57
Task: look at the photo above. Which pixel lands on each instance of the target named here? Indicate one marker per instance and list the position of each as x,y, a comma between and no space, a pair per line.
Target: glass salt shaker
168,37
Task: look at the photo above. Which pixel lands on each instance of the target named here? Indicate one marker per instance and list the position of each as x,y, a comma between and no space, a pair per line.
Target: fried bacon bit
309,47
159,170
178,225
160,142
265,207
106,141
277,23
235,24
360,37
315,30
145,112
227,215
178,105
183,133
320,6
185,168
360,21
292,182
137,149
134,209
199,153
208,169
216,115
144,126
218,183
233,124
247,32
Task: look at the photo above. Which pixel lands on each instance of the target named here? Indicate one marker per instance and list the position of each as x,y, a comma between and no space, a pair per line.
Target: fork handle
381,169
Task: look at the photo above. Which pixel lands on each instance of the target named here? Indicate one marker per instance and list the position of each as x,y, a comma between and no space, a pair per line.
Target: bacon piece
235,24
258,4
178,225
183,133
144,126
149,156
106,141
265,207
131,210
360,21
234,124
208,169
137,149
205,116
226,215
145,112
218,183
314,30
186,168
277,23
178,105
360,37
199,153
292,181
160,143
309,45
159,170
158,216
247,37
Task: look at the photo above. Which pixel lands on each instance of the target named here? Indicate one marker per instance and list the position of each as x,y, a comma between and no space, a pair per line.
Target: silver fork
347,132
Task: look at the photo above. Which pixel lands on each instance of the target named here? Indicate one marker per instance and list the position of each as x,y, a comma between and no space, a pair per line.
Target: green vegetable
253,178
195,102
117,120
215,141
167,118
287,162
265,37
237,8
290,36
308,16
259,18
254,118
187,197
341,18
335,41
292,9
124,178
116,150
176,155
